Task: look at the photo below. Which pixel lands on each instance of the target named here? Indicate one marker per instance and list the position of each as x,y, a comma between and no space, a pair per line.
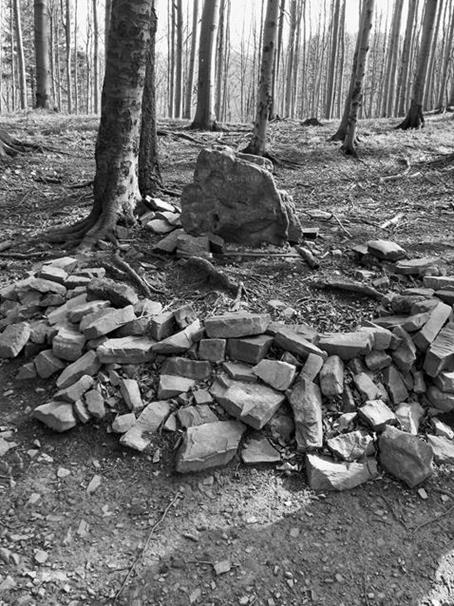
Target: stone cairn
240,382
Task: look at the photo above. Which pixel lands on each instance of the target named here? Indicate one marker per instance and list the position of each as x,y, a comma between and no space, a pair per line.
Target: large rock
106,320
296,343
68,344
325,474
125,350
306,402
181,341
13,339
47,364
443,449
209,445
259,450
440,354
59,416
190,416
184,367
405,457
88,364
347,345
249,349
238,200
236,324
352,445
148,422
332,377
278,375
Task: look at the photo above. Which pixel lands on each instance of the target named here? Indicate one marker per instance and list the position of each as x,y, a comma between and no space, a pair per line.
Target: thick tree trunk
415,118
220,60
257,144
179,59
204,117
405,58
291,52
431,68
20,54
149,170
42,53
333,61
391,60
442,94
349,143
190,82
107,13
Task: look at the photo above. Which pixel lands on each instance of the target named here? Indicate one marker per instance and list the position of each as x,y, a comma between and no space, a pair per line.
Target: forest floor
377,544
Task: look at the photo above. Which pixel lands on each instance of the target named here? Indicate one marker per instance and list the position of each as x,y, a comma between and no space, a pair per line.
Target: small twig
344,229
434,519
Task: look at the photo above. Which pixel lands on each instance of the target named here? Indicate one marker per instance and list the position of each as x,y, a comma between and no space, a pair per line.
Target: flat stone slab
125,350
78,312
88,364
47,286
440,354
249,349
74,392
191,416
252,403
212,350
59,416
240,372
118,293
278,375
445,381
442,400
352,445
325,474
47,364
123,423
296,343
68,344
60,314
181,341
171,386
13,339
386,250
406,457
395,385
184,367
235,325
415,267
443,449
53,273
312,367
332,377
259,450
130,391
347,345
377,414
209,445
409,415
306,402
104,321
149,421
428,333
439,282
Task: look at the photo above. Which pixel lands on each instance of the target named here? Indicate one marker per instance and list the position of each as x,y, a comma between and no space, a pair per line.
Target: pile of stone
239,382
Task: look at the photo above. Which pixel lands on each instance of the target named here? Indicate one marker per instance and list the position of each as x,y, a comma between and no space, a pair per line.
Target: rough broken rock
443,449
125,350
47,364
209,445
351,446
405,457
332,377
183,367
181,341
238,200
130,391
88,364
104,321
59,416
386,250
68,344
212,350
278,375
237,324
171,386
377,414
325,474
306,402
296,343
347,345
117,293
13,339
249,349
149,421
259,450
190,416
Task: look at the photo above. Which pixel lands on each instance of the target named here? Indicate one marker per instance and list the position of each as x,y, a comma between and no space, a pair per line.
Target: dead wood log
347,286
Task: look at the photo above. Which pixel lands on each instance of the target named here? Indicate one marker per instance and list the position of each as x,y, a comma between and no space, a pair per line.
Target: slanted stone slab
289,340
53,273
47,286
439,282
118,293
202,396
415,267
159,226
445,381
377,414
443,401
386,250
212,350
125,350
252,403
312,367
69,264
137,328
47,364
406,457
440,354
76,314
235,325
428,333
306,402
447,296
95,404
415,322
74,392
123,423
239,372
389,322
409,415
106,320
162,325
259,450
325,474
332,377
171,386
149,421
278,375
395,385
184,316
26,372
419,383
184,367
377,360
68,344
181,341
13,339
169,243
352,445
442,429
365,386
347,345
209,445
59,316
59,416
88,364
249,349
443,449
191,416
130,391
404,356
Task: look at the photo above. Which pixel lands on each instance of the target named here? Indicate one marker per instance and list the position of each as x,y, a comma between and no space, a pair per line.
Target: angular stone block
325,474
278,375
59,416
171,386
443,449
149,421
239,372
95,404
443,401
428,333
88,364
395,385
74,392
367,389
406,457
106,320
212,350
184,367
440,354
289,340
404,356
439,282
123,423
312,367
351,446
118,293
376,414
386,250
47,364
236,324
445,381
377,360
347,345
332,377
306,402
68,344
130,391
259,450
13,339
181,341
125,350
190,416
409,415
249,349
162,325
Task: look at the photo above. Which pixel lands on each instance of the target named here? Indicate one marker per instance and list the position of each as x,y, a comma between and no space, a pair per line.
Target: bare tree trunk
429,88
391,60
225,95
107,14
204,117
277,60
41,12
95,59
446,63
190,83
415,118
76,62
179,59
291,51
20,55
333,61
220,60
68,55
401,96
341,64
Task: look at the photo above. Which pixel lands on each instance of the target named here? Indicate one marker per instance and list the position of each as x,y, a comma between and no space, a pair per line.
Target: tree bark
179,59
333,61
190,82
415,117
391,60
446,63
429,87
68,55
405,58
204,117
95,59
107,13
20,54
41,12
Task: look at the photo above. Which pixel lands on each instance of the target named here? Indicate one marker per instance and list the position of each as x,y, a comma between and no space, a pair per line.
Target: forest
226,302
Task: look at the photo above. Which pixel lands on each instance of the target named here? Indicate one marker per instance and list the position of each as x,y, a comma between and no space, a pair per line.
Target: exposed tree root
414,118
123,265
10,147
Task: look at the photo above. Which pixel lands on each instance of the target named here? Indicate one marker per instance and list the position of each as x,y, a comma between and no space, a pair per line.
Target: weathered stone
184,367
104,321
202,396
439,282
389,322
47,286
419,383
312,367
147,307
415,267
125,350
409,415
209,445
53,273
236,324
365,386
351,446
162,325
60,315
51,299
136,328
95,404
332,377
404,356
13,339
130,391
123,423
59,416
5,446
88,364
403,304
159,226
442,429
81,412
249,349
118,293
306,402
91,272
447,296
278,375
415,322
169,243
69,264
68,344
377,414
377,360
290,340
171,386
443,449
26,372
239,372
184,316
149,421
212,350
440,354
75,391
395,385
238,200
190,416
181,341
75,281
47,364
445,381
252,403
259,450
428,333
85,309
425,305
325,474
443,401
386,250
347,345
404,456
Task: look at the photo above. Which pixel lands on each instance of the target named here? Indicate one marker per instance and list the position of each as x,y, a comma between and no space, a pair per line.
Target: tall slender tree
401,96
41,12
20,54
67,25
331,80
190,81
95,58
391,60
179,59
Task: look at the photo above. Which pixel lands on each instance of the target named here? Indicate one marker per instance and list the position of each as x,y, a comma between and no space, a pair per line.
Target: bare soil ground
156,535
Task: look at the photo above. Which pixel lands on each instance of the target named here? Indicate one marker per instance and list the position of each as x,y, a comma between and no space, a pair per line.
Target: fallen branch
434,519
354,287
147,288
341,225
400,175
259,254
214,277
